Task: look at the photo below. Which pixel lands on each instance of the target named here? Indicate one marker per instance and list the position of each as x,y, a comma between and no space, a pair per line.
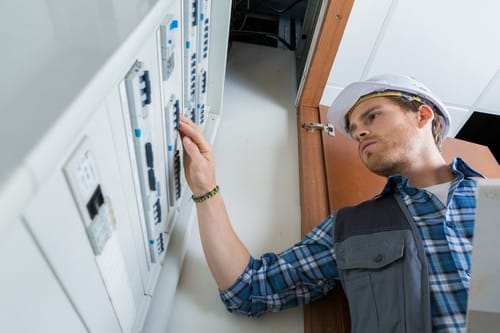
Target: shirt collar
458,166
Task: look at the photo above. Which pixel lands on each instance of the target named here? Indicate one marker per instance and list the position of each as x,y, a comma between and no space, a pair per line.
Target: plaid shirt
307,271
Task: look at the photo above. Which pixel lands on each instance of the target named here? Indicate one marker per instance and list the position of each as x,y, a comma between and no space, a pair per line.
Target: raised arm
226,255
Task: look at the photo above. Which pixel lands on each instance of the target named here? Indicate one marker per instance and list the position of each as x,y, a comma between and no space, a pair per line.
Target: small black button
149,154
378,258
152,180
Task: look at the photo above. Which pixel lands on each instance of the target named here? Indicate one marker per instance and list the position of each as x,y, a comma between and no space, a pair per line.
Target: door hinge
311,127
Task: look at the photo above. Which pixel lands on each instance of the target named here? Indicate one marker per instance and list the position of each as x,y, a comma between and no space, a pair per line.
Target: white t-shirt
440,191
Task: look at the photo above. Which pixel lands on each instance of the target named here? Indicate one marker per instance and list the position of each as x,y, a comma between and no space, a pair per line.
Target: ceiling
452,46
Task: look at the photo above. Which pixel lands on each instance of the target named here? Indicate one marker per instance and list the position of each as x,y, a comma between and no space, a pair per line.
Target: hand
198,158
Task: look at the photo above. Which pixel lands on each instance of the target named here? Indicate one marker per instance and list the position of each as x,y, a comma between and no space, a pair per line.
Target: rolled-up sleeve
296,276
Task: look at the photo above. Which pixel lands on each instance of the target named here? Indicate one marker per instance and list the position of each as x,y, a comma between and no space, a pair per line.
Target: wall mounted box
90,250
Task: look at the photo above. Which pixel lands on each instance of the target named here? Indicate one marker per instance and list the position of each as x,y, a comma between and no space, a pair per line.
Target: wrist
202,189
207,195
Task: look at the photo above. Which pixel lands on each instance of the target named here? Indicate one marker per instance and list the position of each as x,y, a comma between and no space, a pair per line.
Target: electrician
402,258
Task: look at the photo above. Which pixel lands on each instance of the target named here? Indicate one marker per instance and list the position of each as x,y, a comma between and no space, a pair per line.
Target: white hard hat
350,95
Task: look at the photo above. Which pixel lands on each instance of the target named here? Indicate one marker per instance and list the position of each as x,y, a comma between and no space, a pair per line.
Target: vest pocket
371,271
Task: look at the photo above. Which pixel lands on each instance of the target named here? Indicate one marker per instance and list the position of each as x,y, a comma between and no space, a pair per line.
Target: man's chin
379,168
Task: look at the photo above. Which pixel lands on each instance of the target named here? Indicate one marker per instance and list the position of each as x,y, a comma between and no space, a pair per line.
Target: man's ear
425,115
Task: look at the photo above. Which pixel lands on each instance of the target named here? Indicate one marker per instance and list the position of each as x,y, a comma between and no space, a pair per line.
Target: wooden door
313,189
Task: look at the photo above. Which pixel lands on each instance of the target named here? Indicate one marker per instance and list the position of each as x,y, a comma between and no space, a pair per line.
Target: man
403,258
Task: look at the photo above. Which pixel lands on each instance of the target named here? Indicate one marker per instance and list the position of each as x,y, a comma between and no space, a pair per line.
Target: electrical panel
172,114
173,101
197,38
95,209
109,166
204,29
93,203
202,65
168,45
138,89
191,18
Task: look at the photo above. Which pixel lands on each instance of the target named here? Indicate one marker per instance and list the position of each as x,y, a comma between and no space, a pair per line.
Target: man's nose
360,134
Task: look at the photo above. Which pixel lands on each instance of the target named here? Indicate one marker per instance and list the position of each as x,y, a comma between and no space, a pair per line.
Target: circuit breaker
196,52
191,19
172,97
138,89
168,44
203,40
172,114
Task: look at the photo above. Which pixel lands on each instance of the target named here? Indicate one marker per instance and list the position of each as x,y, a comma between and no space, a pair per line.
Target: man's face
387,135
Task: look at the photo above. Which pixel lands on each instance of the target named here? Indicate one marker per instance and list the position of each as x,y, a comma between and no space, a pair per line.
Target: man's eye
372,116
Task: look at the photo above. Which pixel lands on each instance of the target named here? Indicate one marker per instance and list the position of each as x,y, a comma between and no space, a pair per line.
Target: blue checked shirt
307,270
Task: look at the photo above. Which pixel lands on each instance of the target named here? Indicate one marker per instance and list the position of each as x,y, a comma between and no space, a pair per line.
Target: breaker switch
146,90
149,154
152,179
95,202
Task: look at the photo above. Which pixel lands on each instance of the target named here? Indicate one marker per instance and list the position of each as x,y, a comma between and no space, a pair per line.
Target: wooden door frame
311,161
313,185
325,47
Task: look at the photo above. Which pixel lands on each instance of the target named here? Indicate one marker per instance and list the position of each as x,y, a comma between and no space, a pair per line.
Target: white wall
452,46
257,169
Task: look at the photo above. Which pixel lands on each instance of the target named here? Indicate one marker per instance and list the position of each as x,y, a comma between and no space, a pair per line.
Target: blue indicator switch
174,25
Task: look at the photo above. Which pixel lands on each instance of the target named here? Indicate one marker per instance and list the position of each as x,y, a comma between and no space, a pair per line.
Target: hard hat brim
351,94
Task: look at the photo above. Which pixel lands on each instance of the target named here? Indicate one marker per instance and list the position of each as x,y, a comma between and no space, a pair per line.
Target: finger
190,148
192,152
187,122
194,133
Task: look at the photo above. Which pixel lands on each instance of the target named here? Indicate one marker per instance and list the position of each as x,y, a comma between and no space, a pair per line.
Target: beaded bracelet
206,196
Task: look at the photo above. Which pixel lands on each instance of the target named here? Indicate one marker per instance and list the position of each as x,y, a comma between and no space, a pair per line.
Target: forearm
277,281
226,255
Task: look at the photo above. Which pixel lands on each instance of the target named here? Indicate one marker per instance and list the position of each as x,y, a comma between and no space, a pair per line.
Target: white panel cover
32,299
54,219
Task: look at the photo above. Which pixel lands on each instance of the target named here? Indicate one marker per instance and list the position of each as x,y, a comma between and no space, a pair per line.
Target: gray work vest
382,267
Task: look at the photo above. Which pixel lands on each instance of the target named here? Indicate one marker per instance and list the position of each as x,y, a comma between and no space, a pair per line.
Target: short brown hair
437,122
